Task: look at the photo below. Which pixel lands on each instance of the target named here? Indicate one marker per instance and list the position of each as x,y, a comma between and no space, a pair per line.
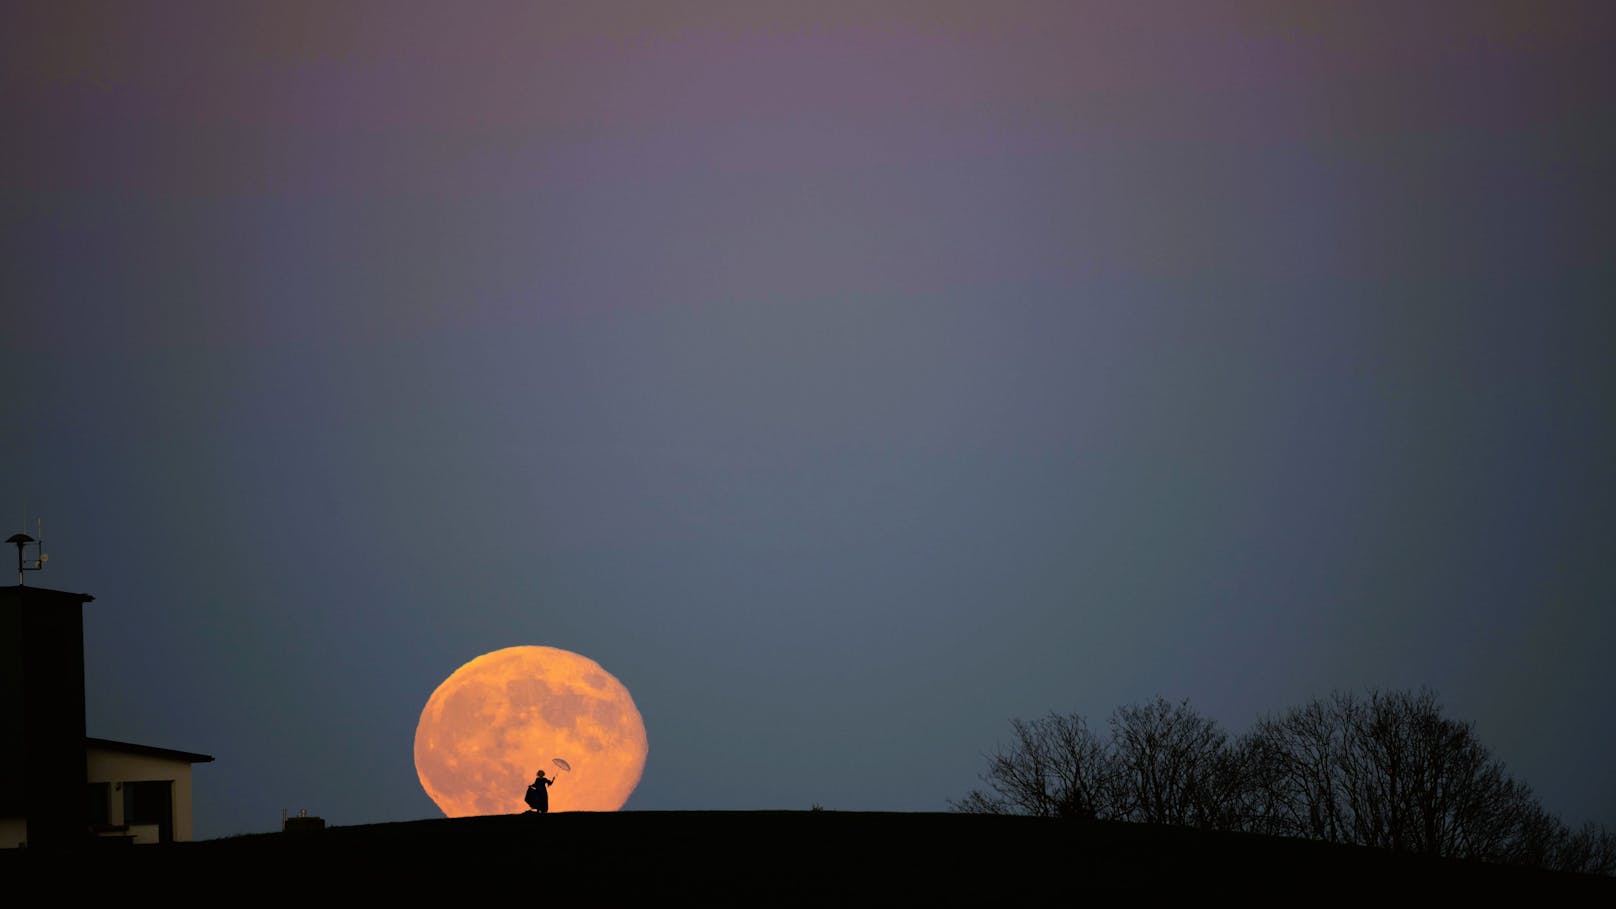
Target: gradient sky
846,378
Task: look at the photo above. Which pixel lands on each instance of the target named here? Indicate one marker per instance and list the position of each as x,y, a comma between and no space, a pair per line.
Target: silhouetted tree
1540,839
1591,849
1175,766
1388,771
1294,775
1056,767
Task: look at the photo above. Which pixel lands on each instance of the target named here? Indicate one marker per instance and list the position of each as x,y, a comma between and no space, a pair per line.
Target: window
150,802
100,804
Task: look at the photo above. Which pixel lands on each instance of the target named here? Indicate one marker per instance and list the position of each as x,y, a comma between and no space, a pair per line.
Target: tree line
1387,769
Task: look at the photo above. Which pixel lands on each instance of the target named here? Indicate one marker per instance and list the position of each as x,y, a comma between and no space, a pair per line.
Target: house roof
19,591
148,751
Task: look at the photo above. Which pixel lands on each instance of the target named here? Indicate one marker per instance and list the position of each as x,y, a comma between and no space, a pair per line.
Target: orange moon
506,714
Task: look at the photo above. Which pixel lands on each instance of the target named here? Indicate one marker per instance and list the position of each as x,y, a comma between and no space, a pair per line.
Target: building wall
42,712
13,744
115,767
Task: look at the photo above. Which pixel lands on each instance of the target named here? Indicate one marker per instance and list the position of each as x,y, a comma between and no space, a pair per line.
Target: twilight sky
846,378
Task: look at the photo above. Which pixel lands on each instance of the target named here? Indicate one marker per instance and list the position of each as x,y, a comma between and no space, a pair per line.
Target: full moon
503,716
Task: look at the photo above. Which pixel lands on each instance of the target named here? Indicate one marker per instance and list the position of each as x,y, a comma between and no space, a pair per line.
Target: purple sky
846,378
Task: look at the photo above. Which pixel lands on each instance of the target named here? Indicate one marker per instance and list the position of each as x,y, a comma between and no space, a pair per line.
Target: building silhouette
58,787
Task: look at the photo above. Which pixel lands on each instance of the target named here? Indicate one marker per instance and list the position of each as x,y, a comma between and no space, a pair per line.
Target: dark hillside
770,857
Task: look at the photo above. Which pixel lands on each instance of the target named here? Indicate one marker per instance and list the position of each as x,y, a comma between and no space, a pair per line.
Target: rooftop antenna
40,558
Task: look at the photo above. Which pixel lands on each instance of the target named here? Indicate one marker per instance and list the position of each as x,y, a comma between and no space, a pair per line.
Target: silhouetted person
538,794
